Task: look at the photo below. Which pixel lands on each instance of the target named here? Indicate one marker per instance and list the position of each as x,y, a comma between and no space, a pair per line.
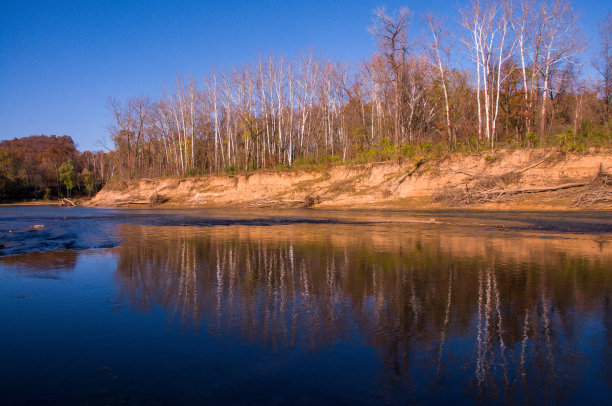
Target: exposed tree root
487,188
492,189
598,191
484,194
157,199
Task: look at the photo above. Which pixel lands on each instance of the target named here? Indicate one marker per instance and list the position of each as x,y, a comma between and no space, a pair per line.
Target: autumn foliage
519,84
43,167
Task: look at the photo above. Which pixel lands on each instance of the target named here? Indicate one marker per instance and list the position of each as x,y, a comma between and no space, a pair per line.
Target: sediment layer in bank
520,179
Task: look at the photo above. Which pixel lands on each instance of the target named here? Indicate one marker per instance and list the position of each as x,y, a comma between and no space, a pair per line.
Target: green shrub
531,140
408,150
194,172
230,170
67,176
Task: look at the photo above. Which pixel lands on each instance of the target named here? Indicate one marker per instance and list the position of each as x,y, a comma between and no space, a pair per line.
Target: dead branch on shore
533,165
488,188
598,191
594,197
277,203
492,189
126,202
487,194
64,202
157,199
398,182
505,178
310,200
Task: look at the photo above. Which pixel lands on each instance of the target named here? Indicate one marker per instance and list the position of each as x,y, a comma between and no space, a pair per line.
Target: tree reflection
505,313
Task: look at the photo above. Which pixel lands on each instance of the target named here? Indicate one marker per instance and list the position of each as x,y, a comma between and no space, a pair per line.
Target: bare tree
521,21
603,61
279,110
562,42
438,52
391,33
472,21
504,54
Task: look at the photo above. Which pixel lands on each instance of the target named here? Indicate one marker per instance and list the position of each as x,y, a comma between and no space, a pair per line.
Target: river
304,307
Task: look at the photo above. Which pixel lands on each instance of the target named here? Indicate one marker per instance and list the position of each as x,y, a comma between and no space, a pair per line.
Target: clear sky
61,60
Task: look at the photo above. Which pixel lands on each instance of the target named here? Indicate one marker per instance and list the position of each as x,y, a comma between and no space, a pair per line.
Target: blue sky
60,60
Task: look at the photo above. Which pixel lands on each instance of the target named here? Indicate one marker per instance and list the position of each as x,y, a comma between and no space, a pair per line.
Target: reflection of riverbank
53,203
47,264
502,312
394,237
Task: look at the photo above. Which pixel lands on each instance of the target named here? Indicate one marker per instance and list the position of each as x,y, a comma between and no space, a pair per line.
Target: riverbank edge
423,184
31,203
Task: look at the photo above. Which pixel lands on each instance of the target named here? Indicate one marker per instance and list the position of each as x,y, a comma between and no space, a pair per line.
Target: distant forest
45,167
520,84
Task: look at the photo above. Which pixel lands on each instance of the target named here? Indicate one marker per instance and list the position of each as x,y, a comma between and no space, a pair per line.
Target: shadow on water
481,317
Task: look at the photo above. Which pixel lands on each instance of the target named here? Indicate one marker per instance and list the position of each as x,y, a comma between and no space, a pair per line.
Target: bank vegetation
508,75
495,76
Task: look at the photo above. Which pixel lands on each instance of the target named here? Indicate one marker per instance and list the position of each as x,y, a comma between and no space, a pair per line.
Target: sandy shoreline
32,203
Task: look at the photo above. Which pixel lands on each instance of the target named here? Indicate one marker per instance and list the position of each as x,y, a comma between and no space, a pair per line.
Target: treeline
507,75
45,167
522,87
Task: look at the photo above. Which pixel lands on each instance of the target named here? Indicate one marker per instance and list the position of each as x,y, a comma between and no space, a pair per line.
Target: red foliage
28,166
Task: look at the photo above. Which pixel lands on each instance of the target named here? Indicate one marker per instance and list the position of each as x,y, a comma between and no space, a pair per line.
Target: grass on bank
587,137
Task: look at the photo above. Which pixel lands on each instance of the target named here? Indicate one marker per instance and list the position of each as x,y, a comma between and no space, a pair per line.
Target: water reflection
510,316
45,265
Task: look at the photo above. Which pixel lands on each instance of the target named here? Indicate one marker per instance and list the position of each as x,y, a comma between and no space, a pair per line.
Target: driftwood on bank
480,194
494,189
280,203
157,199
397,183
469,196
591,198
506,178
533,165
64,202
488,188
598,191
126,202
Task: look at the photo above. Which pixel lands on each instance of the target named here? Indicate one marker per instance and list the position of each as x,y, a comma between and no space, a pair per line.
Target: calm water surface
304,307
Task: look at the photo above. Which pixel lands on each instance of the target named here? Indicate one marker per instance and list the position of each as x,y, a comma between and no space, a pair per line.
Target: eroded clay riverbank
517,180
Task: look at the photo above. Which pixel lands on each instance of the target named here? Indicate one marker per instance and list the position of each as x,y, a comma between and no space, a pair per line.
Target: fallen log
276,203
397,183
599,190
498,194
533,165
132,202
541,189
67,202
478,175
